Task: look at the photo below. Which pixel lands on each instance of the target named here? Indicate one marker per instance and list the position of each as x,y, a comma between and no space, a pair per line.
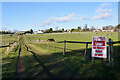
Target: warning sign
99,47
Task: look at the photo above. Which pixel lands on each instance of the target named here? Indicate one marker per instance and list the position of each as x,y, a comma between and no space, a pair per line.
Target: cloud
102,16
100,10
54,20
105,4
103,13
84,17
70,17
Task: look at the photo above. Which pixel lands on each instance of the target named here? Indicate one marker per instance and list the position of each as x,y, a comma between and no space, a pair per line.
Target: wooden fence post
48,46
112,51
64,47
54,46
85,51
109,50
93,59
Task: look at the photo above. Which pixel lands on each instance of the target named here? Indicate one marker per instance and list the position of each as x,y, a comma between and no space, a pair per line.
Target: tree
51,29
110,27
56,28
103,27
47,31
15,31
79,27
31,31
8,32
87,29
72,30
63,29
85,26
118,26
3,32
92,28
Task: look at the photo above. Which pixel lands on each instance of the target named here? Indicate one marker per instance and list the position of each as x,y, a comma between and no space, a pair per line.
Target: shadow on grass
72,65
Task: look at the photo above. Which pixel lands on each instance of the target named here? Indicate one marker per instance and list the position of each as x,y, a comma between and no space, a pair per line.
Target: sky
44,15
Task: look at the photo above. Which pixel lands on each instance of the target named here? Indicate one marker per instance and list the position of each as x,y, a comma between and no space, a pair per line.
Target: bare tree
56,28
92,28
85,26
15,30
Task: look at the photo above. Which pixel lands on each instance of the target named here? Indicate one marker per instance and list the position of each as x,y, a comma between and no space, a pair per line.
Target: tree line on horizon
78,29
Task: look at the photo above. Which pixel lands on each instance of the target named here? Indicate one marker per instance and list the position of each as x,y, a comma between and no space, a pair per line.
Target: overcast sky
44,15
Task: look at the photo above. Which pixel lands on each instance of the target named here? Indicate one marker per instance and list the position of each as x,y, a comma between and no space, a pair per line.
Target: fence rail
110,48
86,42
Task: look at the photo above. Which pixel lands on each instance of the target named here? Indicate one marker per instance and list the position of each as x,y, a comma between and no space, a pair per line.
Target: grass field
45,59
6,39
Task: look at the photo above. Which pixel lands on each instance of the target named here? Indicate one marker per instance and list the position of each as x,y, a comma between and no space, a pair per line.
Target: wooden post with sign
85,51
64,47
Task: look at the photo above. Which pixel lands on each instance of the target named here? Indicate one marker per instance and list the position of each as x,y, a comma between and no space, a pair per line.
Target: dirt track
20,65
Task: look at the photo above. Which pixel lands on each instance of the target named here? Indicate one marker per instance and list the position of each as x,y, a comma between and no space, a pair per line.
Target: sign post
99,47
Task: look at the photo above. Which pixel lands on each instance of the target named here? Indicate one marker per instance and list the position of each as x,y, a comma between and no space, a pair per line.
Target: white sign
99,47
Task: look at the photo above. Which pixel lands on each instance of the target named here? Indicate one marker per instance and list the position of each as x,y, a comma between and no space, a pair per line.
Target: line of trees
78,29
6,32
51,30
29,31
16,31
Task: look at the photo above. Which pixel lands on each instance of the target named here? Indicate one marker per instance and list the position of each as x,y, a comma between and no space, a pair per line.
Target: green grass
9,63
70,65
6,39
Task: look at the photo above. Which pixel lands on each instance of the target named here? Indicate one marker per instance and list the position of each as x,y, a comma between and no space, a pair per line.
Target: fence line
86,42
8,44
110,48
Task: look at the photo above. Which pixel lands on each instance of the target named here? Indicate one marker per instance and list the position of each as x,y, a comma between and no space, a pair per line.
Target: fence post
92,59
109,50
85,51
54,46
112,51
48,46
64,47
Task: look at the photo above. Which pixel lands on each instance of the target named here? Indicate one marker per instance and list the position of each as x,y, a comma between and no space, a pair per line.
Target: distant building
69,30
108,30
21,31
97,30
38,32
80,30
